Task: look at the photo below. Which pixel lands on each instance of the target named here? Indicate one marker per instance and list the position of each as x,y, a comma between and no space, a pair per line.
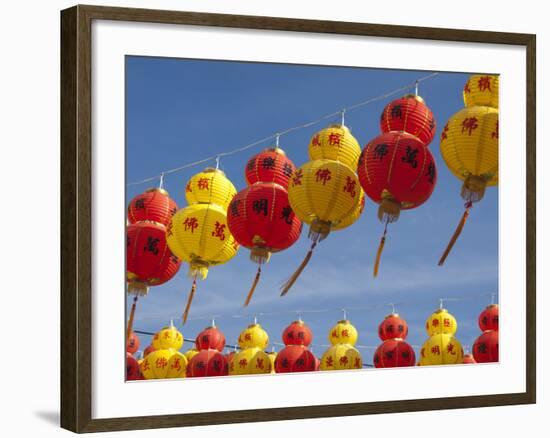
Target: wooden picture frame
76,219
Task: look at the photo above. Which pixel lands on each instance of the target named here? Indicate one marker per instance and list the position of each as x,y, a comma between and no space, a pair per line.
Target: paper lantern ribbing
341,357
409,114
295,359
469,146
485,348
441,349
335,143
250,361
132,345
270,165
441,321
198,234
208,363
210,338
132,368
398,172
153,205
481,90
164,364
260,217
394,353
168,338
488,319
392,327
343,332
325,194
297,333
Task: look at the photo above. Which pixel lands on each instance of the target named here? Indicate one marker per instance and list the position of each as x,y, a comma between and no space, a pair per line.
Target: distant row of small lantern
396,170
163,360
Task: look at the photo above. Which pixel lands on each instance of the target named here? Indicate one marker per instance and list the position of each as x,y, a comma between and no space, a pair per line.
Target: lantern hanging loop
161,181
441,303
416,88
343,115
493,295
255,319
217,162
345,313
277,136
299,315
392,307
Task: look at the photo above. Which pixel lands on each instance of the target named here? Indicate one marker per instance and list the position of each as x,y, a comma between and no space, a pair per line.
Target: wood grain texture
76,223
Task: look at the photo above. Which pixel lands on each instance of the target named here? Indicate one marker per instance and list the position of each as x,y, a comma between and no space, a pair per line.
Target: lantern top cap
414,96
340,126
441,310
393,315
344,321
299,322
492,305
275,149
157,189
213,169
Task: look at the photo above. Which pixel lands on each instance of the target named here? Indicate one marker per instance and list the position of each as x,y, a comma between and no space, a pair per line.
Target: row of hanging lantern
163,360
396,170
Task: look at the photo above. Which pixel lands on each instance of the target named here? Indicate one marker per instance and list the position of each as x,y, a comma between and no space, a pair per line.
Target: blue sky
180,111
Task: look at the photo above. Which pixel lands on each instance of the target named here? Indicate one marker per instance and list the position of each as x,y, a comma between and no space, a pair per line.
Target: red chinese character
435,322
260,363
423,352
176,364
190,223
247,337
169,231
350,186
357,363
146,366
188,187
161,362
334,334
345,333
435,350
446,322
243,363
203,184
323,175
316,141
343,360
297,178
219,230
329,361
451,349
469,124
334,138
156,336
484,83
166,335
444,132
494,134
467,87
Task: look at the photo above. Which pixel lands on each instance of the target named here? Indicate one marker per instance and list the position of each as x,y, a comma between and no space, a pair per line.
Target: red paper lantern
392,327
133,343
297,333
394,353
488,319
485,348
132,368
149,261
468,359
210,338
295,359
411,115
207,363
260,217
270,165
148,350
153,205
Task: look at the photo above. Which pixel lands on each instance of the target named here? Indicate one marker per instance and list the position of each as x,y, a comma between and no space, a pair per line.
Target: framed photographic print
338,215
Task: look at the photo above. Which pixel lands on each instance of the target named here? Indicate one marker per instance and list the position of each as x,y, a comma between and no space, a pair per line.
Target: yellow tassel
190,300
131,319
254,284
378,256
286,287
455,236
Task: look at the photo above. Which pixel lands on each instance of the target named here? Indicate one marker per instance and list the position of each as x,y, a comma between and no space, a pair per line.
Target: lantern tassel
286,287
190,300
254,284
131,319
457,233
379,251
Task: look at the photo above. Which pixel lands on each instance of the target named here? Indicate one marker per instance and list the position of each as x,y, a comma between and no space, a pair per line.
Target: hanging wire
289,130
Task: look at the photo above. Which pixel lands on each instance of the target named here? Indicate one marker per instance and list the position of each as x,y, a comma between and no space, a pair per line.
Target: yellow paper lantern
210,186
335,143
167,338
350,219
481,90
254,336
441,349
164,364
198,234
341,357
343,333
441,321
250,361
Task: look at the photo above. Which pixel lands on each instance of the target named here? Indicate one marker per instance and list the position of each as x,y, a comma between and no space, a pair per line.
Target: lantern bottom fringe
319,230
286,287
198,268
253,287
260,255
473,188
138,288
189,300
389,210
455,235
